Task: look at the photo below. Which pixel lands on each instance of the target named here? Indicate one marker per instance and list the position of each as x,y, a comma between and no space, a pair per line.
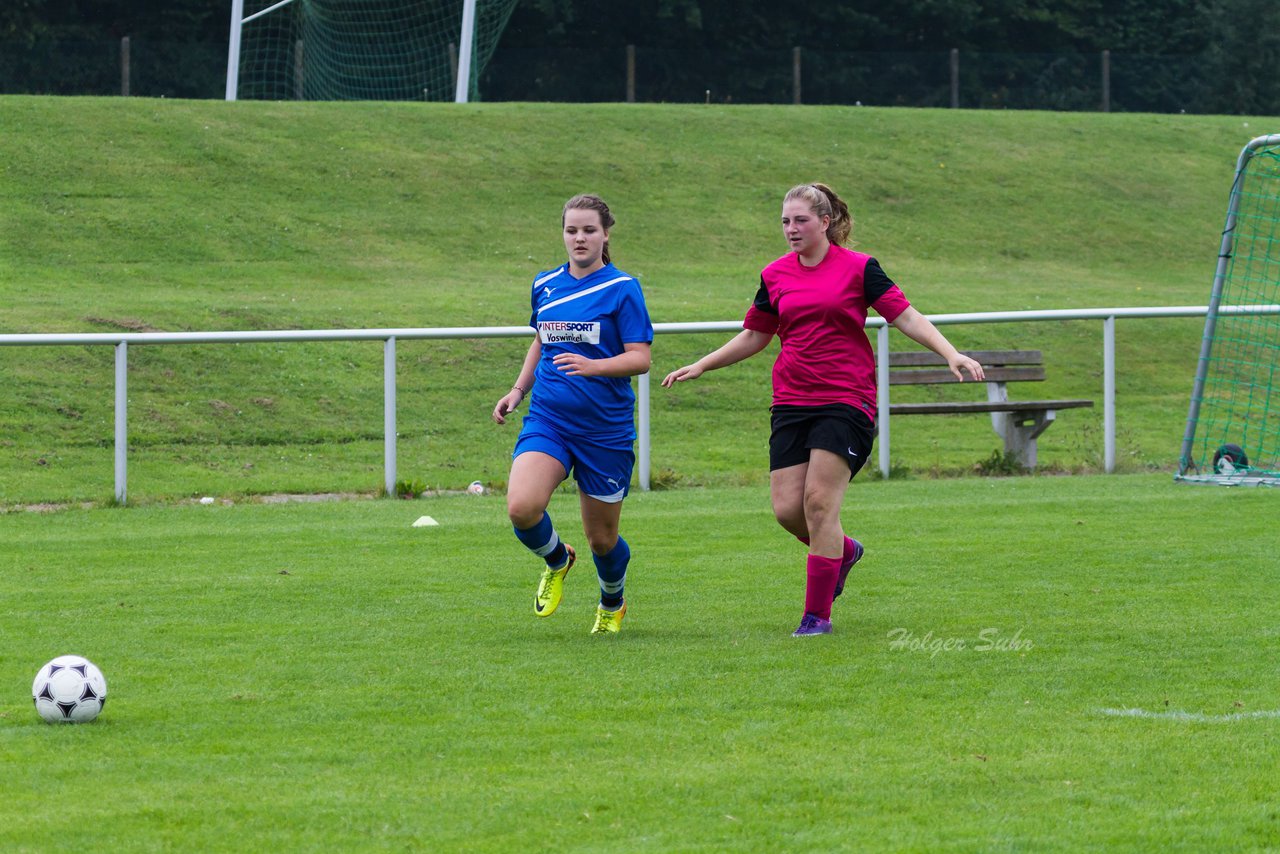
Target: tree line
1231,45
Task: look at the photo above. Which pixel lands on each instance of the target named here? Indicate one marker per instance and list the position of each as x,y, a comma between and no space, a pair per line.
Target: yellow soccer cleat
551,587
608,622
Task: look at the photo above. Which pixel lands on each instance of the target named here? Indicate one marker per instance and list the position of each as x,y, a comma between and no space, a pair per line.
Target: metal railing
121,341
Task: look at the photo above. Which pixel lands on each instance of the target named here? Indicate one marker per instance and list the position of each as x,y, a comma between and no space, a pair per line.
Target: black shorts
836,427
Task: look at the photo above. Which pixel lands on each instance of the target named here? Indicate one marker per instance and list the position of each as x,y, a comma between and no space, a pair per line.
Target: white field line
1190,717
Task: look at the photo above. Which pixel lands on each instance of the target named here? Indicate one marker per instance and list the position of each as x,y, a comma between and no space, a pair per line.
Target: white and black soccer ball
69,689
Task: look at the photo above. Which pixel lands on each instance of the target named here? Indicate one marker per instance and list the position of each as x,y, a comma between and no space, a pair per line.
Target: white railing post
882,396
1109,394
642,438
122,429
389,415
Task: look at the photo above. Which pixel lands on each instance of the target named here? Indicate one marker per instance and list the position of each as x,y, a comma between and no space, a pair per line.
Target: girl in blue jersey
593,334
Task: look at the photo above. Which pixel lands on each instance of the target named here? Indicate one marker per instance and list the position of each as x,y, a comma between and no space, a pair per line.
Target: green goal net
357,50
1233,425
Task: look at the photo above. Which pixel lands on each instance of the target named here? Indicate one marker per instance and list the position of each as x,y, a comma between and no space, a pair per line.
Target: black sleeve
874,281
763,302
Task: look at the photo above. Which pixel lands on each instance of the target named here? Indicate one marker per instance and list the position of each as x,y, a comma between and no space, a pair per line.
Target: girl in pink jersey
815,299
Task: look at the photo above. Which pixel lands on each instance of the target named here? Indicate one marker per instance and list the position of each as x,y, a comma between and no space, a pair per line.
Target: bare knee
524,514
602,544
791,518
819,509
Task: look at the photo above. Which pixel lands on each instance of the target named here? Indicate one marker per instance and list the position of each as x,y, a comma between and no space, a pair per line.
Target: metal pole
124,67
1109,394
299,71
466,43
233,51
882,396
122,429
795,74
389,414
643,438
1106,81
955,78
631,74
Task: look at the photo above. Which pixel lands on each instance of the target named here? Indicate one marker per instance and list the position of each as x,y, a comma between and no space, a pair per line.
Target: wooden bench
1018,422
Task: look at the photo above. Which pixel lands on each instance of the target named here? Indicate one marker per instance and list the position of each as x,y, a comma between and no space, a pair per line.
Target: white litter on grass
1190,717
208,499
425,522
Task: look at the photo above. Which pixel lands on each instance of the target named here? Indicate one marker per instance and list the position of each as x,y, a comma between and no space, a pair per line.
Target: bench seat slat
987,358
935,376
984,406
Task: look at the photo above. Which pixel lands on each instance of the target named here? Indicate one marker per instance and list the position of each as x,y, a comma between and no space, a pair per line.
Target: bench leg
1020,431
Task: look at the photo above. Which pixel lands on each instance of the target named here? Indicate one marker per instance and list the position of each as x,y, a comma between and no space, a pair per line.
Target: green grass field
327,677
133,214
1020,664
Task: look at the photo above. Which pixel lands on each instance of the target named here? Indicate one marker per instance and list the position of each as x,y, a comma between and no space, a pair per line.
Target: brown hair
825,202
591,202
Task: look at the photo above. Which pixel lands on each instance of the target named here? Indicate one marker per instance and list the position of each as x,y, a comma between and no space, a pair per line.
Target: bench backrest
919,367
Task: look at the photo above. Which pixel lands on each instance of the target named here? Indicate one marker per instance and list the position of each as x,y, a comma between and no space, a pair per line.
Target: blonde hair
824,202
591,202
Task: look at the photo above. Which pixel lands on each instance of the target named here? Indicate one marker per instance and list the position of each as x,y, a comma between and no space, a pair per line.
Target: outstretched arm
744,345
523,384
920,329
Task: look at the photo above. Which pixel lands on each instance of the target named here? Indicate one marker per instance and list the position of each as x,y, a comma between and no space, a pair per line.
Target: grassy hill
169,215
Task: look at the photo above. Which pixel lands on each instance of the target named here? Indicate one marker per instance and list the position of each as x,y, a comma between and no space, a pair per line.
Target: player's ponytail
824,202
590,202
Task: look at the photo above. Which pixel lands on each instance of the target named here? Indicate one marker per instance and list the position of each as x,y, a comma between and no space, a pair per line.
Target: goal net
1233,425
359,50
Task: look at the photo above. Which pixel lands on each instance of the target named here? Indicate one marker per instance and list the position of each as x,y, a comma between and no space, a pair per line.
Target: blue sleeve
633,316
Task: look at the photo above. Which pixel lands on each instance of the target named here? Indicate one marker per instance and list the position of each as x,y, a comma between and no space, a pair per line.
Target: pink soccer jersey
819,314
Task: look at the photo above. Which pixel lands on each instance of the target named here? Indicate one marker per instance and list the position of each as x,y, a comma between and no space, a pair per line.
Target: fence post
631,74
795,74
124,67
453,65
955,78
299,70
1106,81
643,439
389,415
882,396
1109,394
122,430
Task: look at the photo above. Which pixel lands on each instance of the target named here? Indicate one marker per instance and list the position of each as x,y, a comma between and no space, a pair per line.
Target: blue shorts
602,472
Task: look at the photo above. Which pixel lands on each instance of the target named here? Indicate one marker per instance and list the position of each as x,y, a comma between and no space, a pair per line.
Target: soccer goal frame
466,40
1212,470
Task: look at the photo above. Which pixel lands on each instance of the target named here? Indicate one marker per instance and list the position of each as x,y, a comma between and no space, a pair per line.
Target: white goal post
467,34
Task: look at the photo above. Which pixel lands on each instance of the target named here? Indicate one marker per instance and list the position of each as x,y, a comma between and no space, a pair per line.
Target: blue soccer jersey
593,316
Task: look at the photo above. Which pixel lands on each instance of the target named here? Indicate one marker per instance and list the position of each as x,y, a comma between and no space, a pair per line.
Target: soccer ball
69,689
1229,459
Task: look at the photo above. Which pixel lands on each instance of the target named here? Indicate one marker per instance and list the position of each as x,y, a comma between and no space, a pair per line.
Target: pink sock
848,548
822,574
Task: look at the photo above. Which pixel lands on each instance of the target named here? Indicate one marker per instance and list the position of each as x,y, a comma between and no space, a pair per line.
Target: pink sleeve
892,303
760,321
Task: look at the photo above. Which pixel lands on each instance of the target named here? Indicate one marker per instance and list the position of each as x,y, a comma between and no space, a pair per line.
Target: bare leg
534,476
824,487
